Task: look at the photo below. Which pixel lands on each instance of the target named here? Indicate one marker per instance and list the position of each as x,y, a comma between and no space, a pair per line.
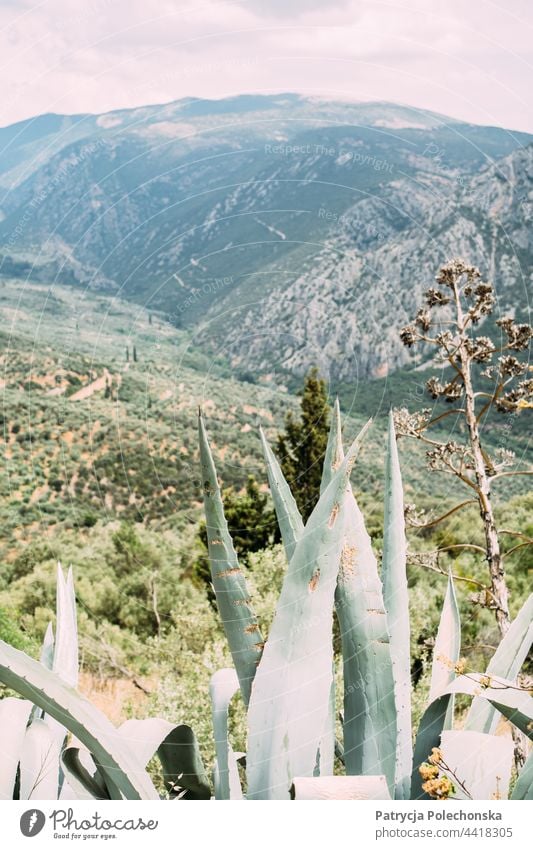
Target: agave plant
287,680
101,761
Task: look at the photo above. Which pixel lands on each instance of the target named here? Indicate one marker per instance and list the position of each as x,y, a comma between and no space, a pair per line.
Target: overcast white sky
471,59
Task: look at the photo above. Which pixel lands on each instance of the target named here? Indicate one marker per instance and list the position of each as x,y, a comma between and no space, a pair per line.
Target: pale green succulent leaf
326,749
39,763
233,599
289,519
447,649
334,451
394,576
47,648
370,718
144,736
65,662
60,701
505,662
14,717
290,696
222,687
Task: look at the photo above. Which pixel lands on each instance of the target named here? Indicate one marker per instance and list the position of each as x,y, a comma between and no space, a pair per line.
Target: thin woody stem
455,577
445,515
493,553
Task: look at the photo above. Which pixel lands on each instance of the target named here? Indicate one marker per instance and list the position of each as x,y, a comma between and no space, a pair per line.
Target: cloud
468,60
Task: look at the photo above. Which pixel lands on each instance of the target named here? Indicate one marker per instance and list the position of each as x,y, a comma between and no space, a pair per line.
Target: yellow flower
460,666
428,772
435,756
485,681
439,788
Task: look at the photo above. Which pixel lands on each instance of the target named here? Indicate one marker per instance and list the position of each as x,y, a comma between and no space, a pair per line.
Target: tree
302,447
251,522
478,376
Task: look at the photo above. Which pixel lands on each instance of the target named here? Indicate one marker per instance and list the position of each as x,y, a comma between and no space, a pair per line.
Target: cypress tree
302,446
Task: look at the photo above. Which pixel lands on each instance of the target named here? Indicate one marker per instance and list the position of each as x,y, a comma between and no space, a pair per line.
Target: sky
470,59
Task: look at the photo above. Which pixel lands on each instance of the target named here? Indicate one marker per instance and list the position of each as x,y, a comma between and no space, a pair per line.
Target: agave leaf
47,649
144,736
65,662
222,687
289,519
39,763
334,450
65,658
68,794
49,692
523,788
369,706
326,749
482,762
505,662
14,716
370,718
516,705
233,600
290,695
84,777
183,769
447,649
335,787
396,598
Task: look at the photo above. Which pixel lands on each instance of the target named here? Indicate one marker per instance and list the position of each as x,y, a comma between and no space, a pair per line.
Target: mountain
278,231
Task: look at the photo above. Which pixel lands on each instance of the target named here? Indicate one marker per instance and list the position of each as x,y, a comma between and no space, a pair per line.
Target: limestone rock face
283,231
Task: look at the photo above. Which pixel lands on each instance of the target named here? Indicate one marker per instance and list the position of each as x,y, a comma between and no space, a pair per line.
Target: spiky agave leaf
289,519
447,649
222,687
83,775
65,646
290,695
369,706
334,450
505,662
178,751
396,598
60,701
233,600
47,649
65,662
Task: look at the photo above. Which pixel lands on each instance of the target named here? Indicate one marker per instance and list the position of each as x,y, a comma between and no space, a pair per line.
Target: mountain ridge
314,234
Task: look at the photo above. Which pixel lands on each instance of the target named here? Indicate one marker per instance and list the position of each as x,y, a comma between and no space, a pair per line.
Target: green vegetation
291,708
111,484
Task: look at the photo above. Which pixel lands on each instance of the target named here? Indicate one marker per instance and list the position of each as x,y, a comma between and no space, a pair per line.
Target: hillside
280,230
